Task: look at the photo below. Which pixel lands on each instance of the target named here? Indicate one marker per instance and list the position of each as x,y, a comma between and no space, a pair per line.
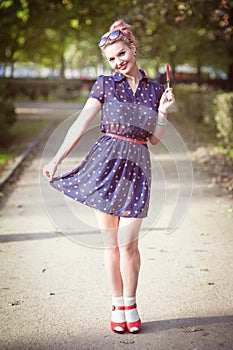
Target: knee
113,253
130,249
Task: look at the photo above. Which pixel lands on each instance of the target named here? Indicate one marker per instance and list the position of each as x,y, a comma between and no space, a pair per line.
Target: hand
167,100
49,170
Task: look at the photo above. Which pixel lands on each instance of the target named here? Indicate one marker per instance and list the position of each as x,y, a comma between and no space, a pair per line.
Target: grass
23,132
5,157
51,98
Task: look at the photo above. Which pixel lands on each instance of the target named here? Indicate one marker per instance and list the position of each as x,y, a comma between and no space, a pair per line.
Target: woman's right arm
74,134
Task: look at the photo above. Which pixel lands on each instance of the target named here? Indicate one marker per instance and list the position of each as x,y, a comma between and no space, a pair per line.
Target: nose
118,61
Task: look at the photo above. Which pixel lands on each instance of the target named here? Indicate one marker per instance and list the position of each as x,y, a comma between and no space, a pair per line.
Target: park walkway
54,292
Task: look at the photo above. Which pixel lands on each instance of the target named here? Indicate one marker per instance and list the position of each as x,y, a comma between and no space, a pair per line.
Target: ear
133,49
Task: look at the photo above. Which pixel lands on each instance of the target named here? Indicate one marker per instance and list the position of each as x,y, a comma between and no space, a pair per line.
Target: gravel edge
20,159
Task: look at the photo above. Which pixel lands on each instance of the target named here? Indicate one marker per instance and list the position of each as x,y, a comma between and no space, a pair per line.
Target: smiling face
121,57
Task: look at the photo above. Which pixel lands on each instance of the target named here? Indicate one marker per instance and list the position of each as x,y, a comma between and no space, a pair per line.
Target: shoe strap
122,308
131,307
118,308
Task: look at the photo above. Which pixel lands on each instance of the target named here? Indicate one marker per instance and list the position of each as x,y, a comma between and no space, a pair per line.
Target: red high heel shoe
133,327
118,327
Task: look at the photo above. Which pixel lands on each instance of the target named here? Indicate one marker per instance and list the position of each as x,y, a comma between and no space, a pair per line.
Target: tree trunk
63,67
199,77
12,68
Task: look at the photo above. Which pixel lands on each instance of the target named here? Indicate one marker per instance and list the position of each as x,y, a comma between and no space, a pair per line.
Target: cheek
112,64
131,56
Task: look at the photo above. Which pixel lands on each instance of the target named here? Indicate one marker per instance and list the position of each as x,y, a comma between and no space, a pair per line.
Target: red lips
123,67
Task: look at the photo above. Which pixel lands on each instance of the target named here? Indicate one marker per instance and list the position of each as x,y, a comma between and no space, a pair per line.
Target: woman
115,176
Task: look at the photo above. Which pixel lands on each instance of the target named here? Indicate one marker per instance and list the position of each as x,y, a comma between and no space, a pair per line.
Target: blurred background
59,38
49,52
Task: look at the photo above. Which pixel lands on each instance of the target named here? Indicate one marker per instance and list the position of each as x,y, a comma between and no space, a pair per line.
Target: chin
126,71
129,68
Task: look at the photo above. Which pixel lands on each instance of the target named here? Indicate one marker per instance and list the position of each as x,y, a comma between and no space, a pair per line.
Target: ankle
128,301
131,312
118,313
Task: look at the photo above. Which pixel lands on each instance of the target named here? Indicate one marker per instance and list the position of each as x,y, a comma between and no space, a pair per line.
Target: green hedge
195,102
7,116
223,118
207,106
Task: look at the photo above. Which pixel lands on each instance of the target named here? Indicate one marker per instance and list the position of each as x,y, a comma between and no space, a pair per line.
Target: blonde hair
126,34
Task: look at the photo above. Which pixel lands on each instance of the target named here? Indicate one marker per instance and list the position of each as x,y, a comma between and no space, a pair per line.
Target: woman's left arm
166,101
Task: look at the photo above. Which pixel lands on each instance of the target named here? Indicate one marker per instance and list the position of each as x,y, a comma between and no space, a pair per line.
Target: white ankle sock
118,316
131,315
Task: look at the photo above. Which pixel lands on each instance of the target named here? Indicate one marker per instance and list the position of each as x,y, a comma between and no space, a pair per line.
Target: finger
46,174
170,96
168,90
172,99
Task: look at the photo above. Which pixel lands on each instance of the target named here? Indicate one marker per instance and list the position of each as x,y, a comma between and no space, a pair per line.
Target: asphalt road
54,291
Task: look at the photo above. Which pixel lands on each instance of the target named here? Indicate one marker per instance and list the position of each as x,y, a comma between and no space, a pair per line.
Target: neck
134,76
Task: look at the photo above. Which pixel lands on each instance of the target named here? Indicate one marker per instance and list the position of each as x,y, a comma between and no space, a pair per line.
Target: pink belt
126,138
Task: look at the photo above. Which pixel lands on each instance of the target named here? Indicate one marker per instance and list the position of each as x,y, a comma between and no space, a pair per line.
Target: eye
111,60
122,53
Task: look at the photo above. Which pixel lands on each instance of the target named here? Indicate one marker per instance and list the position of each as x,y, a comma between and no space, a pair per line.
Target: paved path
54,292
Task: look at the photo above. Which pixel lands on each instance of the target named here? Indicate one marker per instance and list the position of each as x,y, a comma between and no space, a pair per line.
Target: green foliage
7,116
199,32
4,158
207,107
196,102
223,118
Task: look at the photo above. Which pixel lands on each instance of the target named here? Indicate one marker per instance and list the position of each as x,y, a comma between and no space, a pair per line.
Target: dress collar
119,77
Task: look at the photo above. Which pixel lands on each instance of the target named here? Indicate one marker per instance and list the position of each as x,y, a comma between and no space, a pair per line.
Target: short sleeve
97,90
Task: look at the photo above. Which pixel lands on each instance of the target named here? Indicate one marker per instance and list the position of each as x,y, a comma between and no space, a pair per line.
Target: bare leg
129,253
130,265
109,228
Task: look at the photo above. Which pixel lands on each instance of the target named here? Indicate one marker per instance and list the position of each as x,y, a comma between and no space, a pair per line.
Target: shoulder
153,84
101,88
156,85
104,78
104,81
101,81
157,88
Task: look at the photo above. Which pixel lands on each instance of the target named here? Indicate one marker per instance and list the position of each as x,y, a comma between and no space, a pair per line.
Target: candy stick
168,75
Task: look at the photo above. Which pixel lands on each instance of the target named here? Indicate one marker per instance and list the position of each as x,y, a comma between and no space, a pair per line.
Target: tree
198,32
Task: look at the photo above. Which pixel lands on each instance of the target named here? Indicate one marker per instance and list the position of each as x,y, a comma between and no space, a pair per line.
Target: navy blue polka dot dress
115,175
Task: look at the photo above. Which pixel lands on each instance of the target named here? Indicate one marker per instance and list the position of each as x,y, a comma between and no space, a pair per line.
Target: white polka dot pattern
115,175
